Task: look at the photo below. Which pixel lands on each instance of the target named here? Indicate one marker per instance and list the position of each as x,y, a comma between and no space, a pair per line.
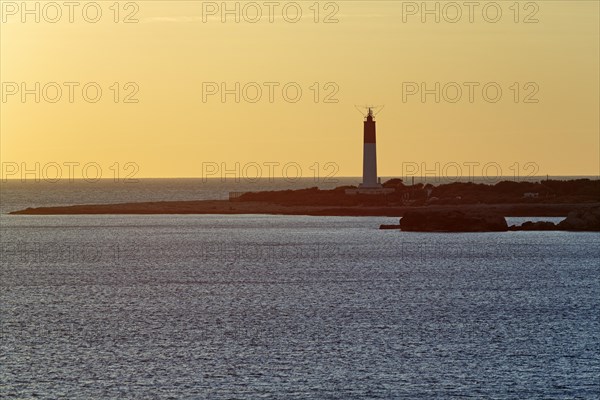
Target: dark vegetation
459,193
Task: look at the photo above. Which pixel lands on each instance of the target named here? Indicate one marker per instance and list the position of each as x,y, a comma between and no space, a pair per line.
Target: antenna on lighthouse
371,110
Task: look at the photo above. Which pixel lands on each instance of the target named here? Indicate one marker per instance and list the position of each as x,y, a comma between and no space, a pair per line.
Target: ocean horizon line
312,178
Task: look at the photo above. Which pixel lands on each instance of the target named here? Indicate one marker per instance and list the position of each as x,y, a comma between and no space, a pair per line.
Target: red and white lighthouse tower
370,179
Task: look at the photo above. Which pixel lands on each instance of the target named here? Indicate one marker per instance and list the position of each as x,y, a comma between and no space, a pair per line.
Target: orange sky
374,53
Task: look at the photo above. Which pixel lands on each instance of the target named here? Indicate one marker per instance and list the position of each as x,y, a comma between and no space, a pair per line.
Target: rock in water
582,220
451,221
534,226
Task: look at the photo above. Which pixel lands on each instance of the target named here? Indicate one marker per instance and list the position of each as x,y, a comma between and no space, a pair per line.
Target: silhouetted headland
553,198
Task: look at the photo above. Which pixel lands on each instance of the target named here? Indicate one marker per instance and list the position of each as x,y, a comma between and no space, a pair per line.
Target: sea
285,307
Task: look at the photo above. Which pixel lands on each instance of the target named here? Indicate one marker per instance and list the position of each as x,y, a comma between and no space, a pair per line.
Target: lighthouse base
370,190
370,186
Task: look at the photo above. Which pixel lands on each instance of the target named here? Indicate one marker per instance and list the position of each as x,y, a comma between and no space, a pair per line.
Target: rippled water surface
223,307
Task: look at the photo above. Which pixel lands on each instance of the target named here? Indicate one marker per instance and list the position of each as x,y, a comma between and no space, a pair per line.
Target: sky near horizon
170,63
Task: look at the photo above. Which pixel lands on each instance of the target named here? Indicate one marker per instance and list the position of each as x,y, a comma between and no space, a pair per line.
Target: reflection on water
293,307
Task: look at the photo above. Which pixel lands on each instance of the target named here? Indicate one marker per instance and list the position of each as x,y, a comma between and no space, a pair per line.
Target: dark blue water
224,307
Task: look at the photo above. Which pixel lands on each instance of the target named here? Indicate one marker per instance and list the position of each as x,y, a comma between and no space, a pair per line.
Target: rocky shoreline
232,207
587,219
549,198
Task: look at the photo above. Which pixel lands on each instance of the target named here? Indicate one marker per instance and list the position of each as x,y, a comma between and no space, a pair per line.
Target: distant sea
285,307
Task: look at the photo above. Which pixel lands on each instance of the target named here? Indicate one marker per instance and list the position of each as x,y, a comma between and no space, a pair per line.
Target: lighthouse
370,180
371,184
